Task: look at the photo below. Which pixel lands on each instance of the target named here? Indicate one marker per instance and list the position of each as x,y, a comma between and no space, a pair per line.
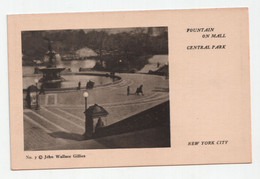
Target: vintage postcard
138,88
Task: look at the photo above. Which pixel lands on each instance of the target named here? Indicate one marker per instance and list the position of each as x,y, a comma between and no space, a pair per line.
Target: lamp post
85,94
37,103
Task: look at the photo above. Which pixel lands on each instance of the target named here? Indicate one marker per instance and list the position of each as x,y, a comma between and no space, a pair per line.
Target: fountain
51,74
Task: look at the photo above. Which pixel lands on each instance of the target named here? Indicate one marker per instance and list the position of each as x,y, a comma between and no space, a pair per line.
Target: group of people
89,85
139,90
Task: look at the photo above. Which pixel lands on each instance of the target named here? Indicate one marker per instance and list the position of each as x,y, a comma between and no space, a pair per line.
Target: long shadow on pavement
65,135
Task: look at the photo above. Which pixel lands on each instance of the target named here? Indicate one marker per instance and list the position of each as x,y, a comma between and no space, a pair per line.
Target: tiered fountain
51,74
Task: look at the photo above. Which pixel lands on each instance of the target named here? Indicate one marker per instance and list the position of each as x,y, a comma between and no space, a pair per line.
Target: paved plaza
60,124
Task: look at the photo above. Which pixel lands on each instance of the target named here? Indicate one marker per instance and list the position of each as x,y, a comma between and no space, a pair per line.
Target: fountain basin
70,80
51,77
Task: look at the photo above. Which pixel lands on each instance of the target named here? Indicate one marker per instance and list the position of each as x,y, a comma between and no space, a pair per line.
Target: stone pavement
61,123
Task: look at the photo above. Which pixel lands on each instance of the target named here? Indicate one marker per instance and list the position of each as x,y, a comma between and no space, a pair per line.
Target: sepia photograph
95,88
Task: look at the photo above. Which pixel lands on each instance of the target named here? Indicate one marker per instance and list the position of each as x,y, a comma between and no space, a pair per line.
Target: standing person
128,90
137,91
158,64
79,85
100,123
42,89
141,89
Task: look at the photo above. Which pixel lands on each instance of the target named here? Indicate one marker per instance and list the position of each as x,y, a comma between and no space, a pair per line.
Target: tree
96,40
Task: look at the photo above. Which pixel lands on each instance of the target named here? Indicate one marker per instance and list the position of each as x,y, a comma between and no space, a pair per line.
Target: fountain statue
51,74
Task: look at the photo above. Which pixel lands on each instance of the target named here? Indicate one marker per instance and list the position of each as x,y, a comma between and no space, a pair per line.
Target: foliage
123,49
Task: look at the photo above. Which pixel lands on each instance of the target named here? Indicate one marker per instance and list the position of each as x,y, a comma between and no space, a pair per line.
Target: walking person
141,89
137,91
